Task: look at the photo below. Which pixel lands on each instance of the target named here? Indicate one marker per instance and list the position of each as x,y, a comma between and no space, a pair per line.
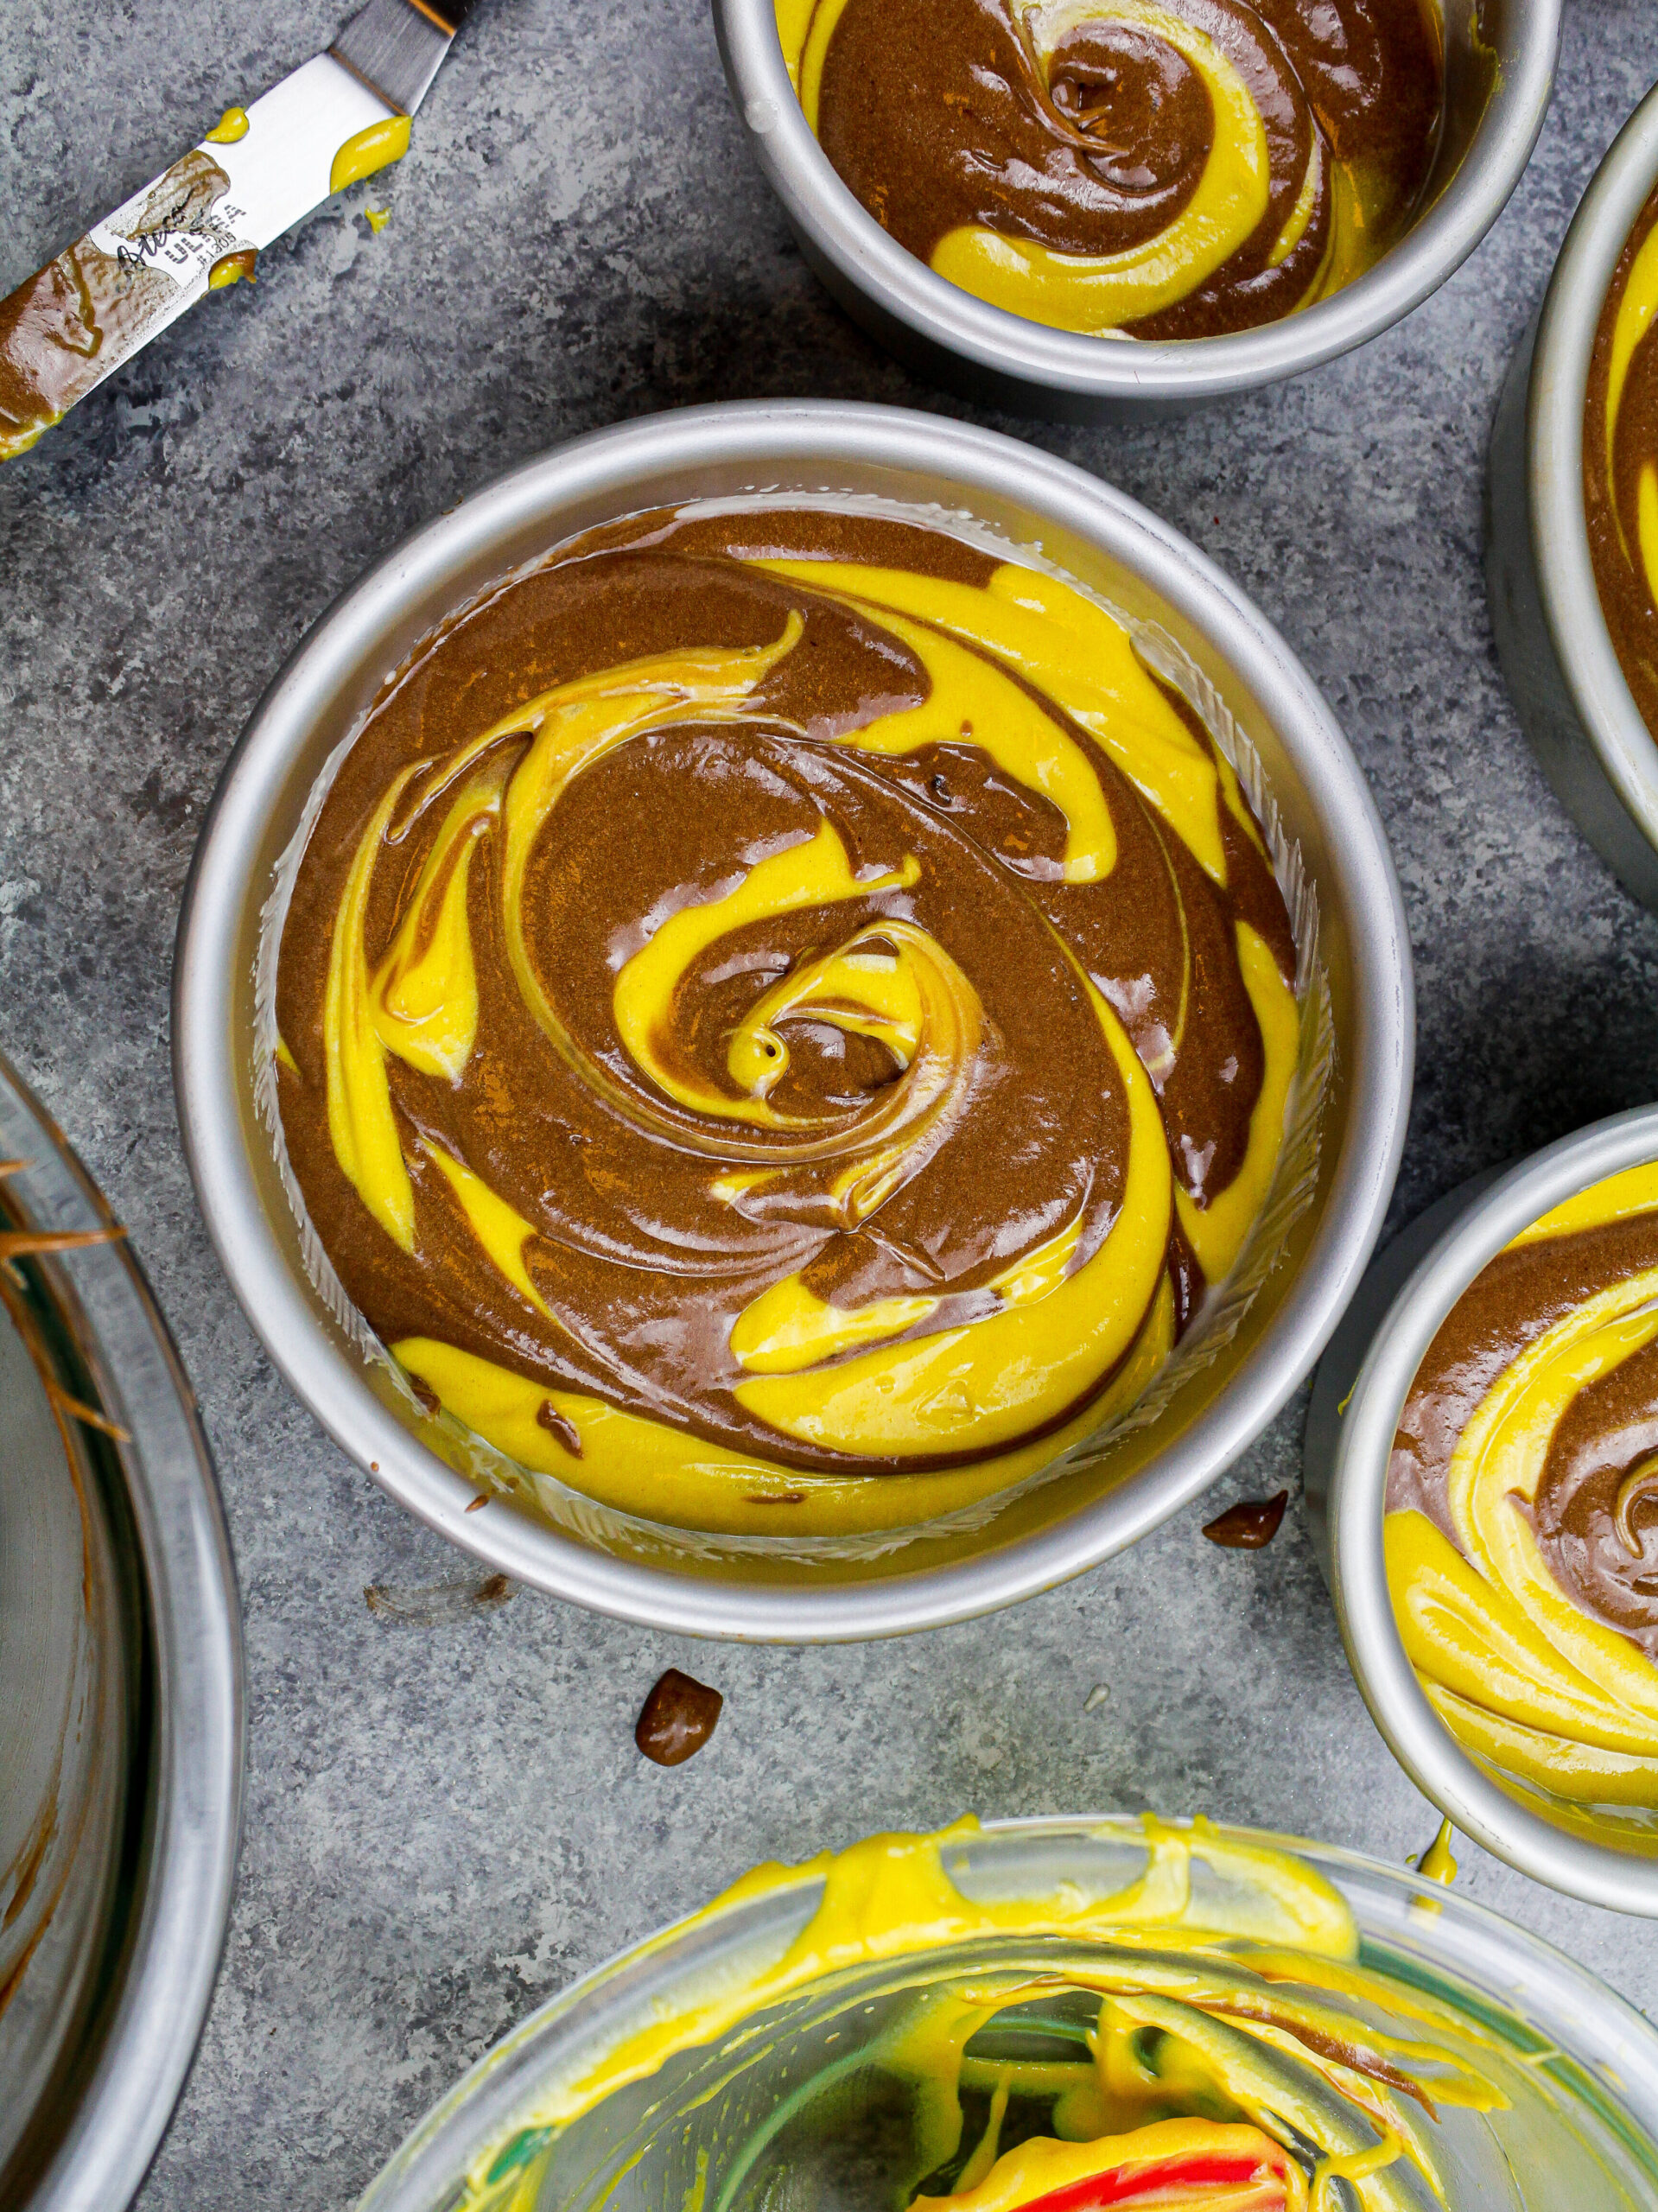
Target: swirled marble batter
1522,1504
1157,168
777,998
1221,2046
1620,461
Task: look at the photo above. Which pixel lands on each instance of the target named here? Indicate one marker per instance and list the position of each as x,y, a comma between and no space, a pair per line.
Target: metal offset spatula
198,226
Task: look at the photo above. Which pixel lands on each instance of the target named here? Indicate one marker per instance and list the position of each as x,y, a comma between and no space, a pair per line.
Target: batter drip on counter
1620,461
1153,169
1522,1506
777,998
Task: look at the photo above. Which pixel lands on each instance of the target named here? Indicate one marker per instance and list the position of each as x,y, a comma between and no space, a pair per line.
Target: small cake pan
1573,701
1499,73
1363,1382
1579,2065
810,1588
121,1698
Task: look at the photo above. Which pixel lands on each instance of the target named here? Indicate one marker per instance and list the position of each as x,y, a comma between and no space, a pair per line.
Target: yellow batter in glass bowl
1060,2014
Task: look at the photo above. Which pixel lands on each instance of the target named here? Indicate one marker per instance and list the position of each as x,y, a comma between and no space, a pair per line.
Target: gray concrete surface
443,1826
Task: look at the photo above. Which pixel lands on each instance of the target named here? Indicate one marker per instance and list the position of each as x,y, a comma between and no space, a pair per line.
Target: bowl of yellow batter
794,1022
1483,1445
1571,521
1088,208
1061,2013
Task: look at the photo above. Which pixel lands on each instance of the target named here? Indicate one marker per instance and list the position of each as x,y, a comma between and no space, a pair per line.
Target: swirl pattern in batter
777,998
1522,1525
1154,168
1620,461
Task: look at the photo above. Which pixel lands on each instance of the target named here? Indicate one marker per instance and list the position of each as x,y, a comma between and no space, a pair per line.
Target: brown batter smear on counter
1165,172
1250,1525
861,1075
677,1719
1620,461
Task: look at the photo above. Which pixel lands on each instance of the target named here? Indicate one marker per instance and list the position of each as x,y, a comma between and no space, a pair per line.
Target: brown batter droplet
677,1719
1250,1523
559,1425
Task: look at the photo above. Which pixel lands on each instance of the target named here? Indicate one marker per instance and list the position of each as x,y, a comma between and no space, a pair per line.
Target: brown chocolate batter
640,1268
1250,1525
1611,491
677,1719
1608,1432
941,114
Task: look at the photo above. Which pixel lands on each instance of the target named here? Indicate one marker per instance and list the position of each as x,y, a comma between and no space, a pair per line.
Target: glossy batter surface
1224,2047
1523,1523
1620,461
1158,170
777,999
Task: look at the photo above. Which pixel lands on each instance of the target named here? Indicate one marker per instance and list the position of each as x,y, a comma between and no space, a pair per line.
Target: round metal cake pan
1598,2047
1362,1384
1145,568
1500,64
121,1699
1574,702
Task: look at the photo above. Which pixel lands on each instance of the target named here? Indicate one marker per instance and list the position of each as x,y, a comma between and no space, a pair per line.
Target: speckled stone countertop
445,1824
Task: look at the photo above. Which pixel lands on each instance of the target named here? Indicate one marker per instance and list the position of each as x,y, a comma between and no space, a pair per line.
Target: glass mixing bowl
818,2097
